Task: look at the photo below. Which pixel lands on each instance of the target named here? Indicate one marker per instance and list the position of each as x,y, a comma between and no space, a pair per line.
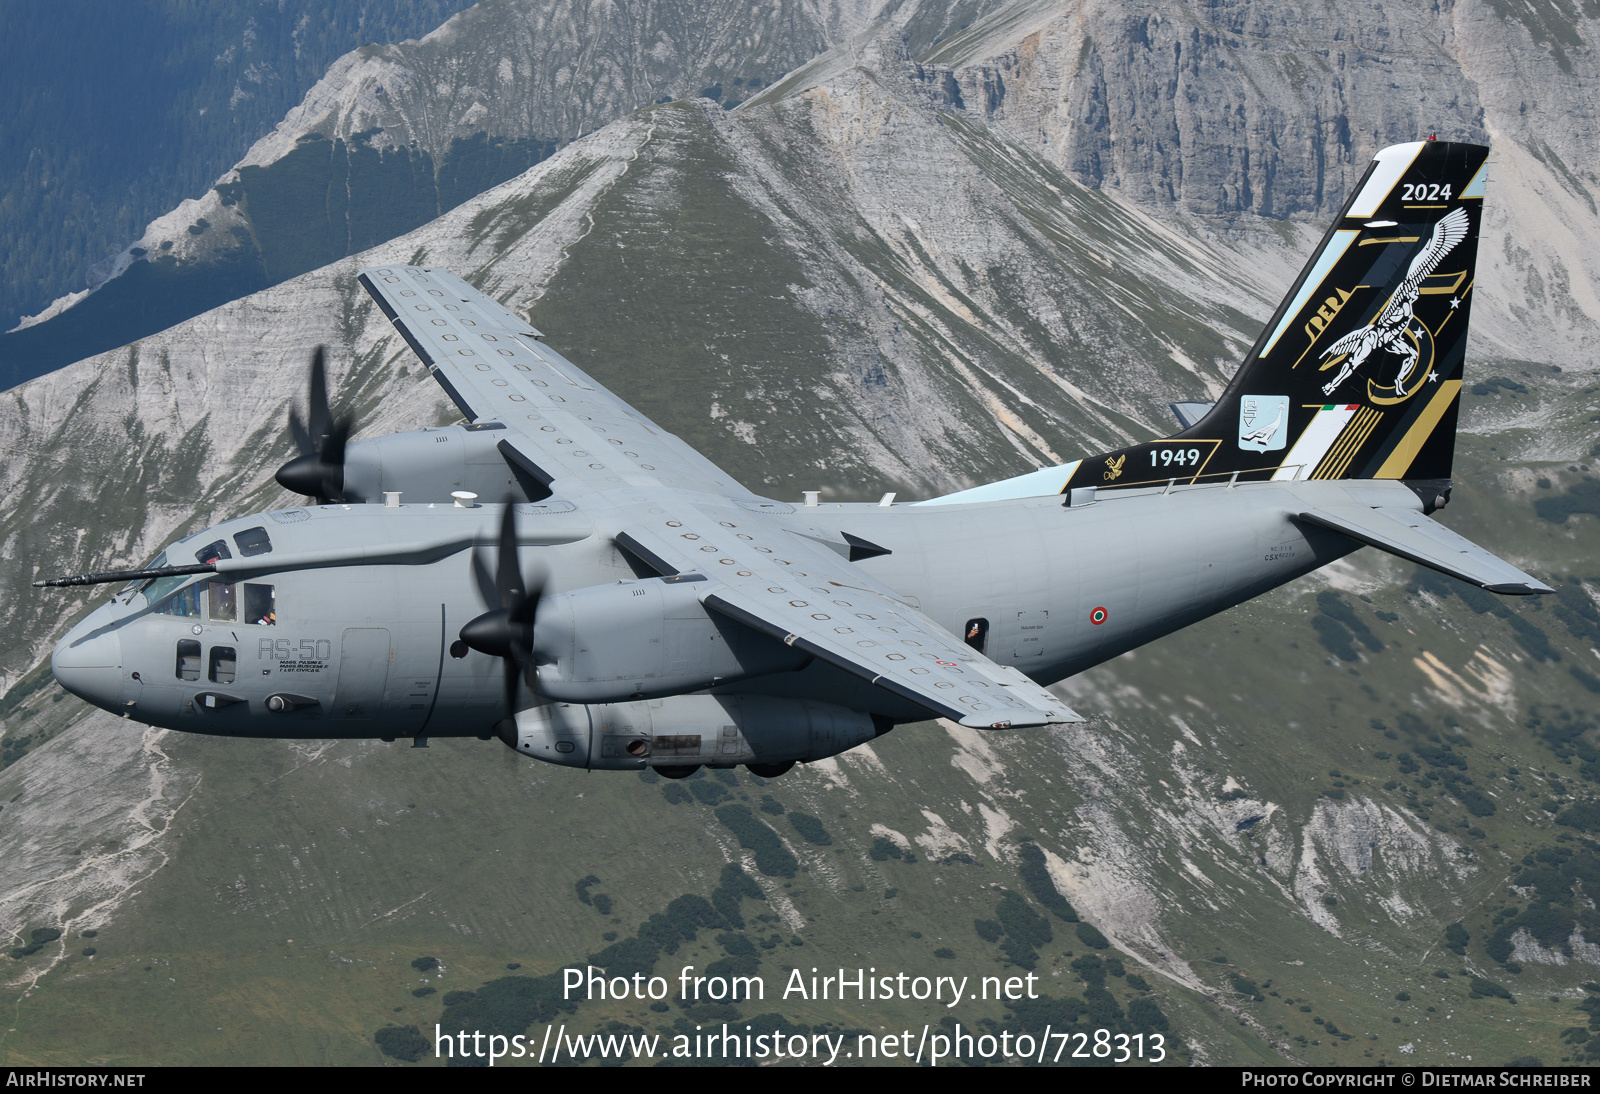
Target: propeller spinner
318,471
505,631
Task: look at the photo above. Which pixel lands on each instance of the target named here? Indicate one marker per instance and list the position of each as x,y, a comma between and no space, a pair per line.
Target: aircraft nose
90,666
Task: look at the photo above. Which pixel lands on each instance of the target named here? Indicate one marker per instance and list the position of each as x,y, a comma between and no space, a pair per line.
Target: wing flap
1412,536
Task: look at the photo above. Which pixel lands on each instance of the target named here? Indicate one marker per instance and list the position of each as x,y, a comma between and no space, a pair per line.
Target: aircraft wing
1409,534
813,599
561,425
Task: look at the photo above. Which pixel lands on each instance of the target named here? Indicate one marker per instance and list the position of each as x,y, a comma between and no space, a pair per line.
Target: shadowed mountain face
1284,823
117,112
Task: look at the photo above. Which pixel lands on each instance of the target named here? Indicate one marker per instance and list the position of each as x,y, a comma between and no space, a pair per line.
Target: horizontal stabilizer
1189,414
1412,536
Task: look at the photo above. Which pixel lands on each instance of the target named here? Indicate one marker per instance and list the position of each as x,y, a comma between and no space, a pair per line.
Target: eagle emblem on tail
1388,330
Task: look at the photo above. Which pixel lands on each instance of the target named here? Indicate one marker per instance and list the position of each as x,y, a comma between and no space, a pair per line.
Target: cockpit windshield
156,588
139,583
161,586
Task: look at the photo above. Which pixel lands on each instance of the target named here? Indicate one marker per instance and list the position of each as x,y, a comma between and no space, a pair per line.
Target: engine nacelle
687,731
427,465
646,638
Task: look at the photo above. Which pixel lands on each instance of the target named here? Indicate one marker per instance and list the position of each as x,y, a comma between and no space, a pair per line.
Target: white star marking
1433,377
1455,302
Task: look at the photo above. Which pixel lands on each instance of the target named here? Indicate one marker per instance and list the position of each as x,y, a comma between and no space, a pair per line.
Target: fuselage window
184,602
223,603
260,605
252,541
224,660
976,633
188,667
213,551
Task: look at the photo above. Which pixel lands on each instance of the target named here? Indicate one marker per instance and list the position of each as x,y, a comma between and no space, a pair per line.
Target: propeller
318,471
505,631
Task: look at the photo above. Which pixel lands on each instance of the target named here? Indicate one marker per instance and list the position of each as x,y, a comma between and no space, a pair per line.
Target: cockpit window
260,605
140,582
188,661
252,542
184,602
159,587
222,604
224,663
213,551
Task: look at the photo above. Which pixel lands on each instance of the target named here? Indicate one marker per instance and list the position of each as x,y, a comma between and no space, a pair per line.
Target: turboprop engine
645,638
425,465
432,464
634,639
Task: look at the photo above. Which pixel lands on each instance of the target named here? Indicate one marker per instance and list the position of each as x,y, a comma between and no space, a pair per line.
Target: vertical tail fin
1358,374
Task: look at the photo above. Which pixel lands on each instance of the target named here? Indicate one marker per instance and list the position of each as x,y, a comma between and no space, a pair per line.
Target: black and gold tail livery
1358,374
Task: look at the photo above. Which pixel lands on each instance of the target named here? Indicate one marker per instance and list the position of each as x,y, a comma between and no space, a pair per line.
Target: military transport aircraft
629,604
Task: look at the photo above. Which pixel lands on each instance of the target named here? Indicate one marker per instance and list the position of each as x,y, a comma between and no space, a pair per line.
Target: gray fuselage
353,648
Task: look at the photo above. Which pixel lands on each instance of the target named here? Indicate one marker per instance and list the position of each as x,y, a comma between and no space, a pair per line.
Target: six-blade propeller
506,630
318,471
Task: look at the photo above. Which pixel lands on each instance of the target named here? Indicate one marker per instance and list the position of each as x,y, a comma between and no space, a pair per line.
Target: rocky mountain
394,135
115,114
1343,823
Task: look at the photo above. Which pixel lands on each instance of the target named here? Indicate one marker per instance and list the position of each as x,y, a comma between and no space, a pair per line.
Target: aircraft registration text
310,655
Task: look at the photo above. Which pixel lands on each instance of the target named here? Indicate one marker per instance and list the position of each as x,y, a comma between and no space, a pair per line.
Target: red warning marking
1098,616
948,664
